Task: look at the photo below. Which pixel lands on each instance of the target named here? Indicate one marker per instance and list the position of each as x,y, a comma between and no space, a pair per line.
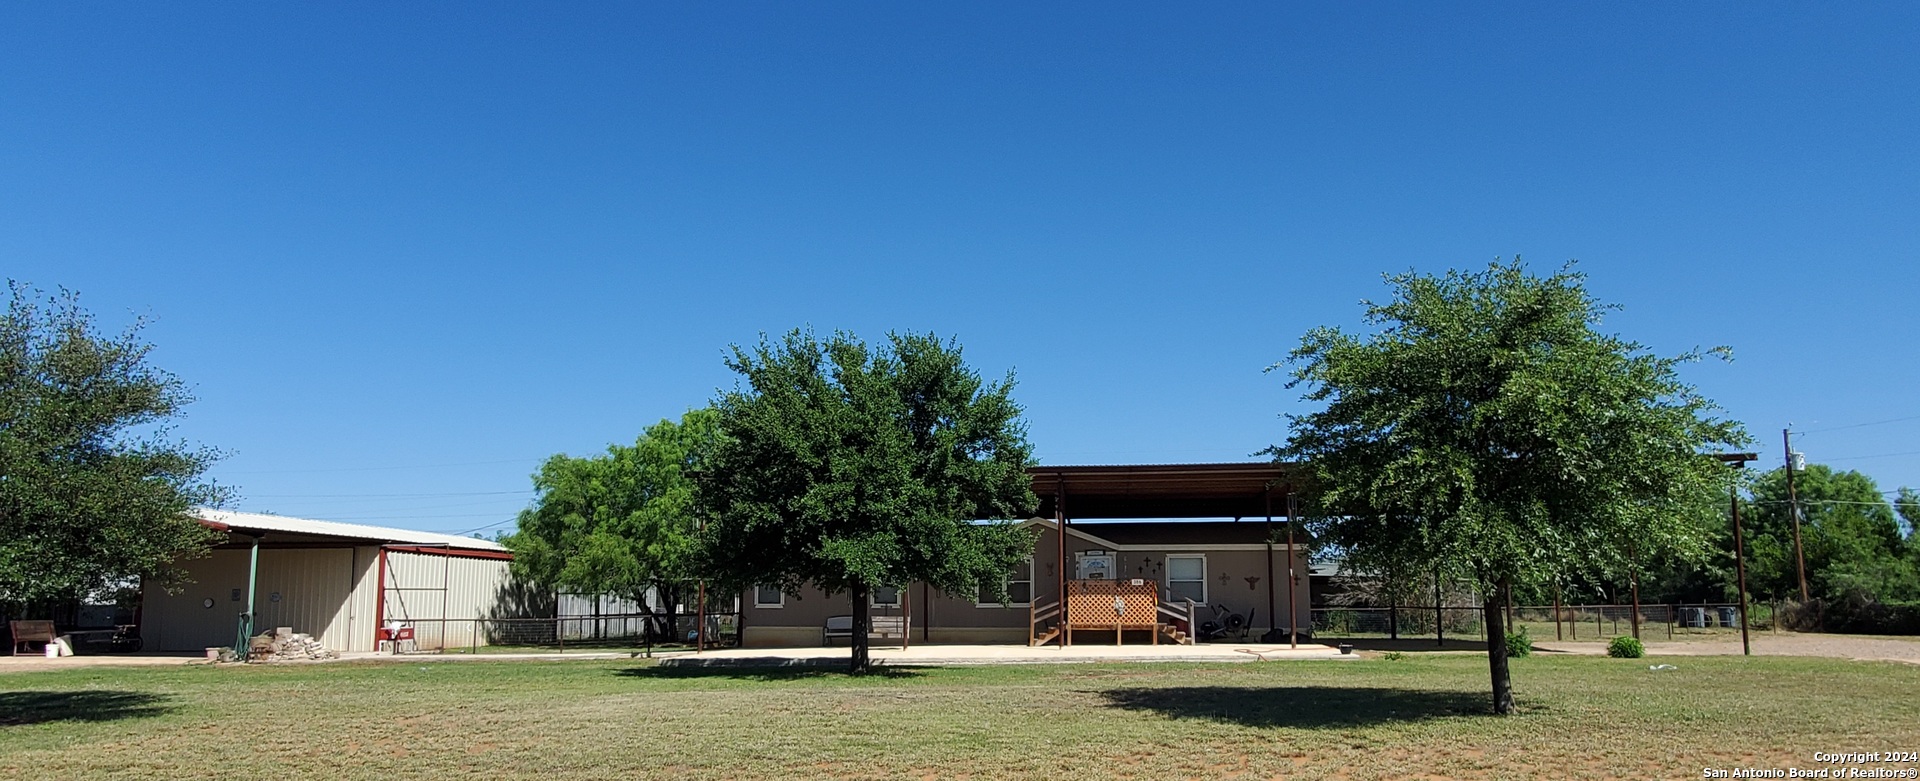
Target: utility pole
1740,559
1793,506
1293,606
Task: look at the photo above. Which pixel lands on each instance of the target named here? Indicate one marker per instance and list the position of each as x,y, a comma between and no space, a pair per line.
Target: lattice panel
1091,602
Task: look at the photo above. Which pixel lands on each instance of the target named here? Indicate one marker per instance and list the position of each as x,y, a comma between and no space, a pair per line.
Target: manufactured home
1152,553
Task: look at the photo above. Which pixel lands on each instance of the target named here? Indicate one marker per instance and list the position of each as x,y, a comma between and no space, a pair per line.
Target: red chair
392,638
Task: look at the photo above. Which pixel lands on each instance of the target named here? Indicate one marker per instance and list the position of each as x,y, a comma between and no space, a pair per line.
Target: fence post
560,632
1393,621
473,638
1673,617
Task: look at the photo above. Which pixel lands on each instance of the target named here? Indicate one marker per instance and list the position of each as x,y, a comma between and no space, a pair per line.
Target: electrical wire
1860,425
385,496
384,468
1876,455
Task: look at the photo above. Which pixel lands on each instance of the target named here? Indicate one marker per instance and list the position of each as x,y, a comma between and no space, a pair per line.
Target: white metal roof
258,522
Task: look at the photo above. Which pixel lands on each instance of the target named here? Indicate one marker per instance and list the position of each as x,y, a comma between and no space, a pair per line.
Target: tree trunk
860,663
668,609
1497,651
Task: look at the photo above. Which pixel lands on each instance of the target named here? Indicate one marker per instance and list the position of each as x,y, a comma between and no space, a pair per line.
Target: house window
769,596
1187,579
885,596
1019,589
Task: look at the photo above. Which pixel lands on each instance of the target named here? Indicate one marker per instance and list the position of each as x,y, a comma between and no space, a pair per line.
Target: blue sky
402,254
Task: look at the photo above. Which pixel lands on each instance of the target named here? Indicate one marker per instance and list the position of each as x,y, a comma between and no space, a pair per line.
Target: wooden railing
1038,612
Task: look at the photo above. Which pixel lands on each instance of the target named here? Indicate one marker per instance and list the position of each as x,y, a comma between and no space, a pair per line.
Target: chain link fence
1566,622
618,632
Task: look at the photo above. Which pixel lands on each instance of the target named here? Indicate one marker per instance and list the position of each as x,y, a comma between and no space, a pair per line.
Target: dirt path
1766,644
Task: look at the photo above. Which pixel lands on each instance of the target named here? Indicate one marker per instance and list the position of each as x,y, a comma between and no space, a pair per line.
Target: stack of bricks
286,645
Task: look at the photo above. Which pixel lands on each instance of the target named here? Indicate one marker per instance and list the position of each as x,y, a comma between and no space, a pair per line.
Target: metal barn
338,582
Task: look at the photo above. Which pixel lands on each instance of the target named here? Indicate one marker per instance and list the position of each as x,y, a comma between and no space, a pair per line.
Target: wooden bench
878,628
25,632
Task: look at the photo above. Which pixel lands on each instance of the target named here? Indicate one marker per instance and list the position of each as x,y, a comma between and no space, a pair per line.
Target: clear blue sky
413,249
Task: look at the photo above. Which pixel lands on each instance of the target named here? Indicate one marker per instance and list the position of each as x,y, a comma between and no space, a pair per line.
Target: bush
1393,656
1519,643
1626,648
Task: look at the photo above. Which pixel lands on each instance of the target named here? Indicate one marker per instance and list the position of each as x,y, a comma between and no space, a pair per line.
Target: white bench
878,628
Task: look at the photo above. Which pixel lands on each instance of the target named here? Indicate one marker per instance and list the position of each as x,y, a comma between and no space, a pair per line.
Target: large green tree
1851,537
1487,427
622,523
852,468
94,491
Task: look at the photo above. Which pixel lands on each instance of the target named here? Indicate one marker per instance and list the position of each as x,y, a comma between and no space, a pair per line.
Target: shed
338,582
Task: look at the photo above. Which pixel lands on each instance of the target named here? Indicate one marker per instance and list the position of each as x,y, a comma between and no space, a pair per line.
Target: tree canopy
94,492
853,468
1487,428
622,523
1853,541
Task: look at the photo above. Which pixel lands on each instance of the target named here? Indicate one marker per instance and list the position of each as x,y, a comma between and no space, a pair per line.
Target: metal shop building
338,582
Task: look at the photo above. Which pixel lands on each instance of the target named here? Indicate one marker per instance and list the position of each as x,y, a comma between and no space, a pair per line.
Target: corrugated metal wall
325,592
306,589
180,621
423,588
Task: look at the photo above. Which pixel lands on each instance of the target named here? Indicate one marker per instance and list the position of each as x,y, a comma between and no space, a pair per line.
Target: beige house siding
945,618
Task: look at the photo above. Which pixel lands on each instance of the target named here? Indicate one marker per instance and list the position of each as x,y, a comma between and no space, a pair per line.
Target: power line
1862,425
384,468
480,528
1876,455
385,496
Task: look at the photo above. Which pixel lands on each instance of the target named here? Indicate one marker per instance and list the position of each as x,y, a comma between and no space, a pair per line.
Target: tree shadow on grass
39,707
1305,707
769,673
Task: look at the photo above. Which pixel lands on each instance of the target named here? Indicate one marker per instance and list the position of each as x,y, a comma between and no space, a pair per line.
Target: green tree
622,523
1851,537
1907,503
852,468
94,492
1486,427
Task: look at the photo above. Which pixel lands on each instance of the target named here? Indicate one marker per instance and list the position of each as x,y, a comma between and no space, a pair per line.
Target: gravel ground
1898,649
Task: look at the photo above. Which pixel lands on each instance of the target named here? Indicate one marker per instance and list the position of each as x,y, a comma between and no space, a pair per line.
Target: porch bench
878,628
25,632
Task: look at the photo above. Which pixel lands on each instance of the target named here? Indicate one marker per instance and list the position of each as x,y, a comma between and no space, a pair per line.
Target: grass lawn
1423,716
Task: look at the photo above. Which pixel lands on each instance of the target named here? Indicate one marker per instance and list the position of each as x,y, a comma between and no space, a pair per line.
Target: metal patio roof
270,525
1221,490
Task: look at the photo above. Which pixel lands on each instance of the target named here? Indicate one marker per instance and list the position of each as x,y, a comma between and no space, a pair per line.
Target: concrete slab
38,663
945,655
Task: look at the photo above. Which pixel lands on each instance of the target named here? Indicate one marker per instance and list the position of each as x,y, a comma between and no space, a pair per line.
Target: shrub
1393,656
1519,643
1626,648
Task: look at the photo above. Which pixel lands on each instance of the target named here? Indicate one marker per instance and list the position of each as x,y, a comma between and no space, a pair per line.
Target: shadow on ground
1307,707
744,672
1407,644
39,707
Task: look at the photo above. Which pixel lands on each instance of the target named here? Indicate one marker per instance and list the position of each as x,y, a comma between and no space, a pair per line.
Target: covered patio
1096,599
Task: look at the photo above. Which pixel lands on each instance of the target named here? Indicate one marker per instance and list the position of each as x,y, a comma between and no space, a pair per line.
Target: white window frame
1167,582
1010,580
899,593
781,602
